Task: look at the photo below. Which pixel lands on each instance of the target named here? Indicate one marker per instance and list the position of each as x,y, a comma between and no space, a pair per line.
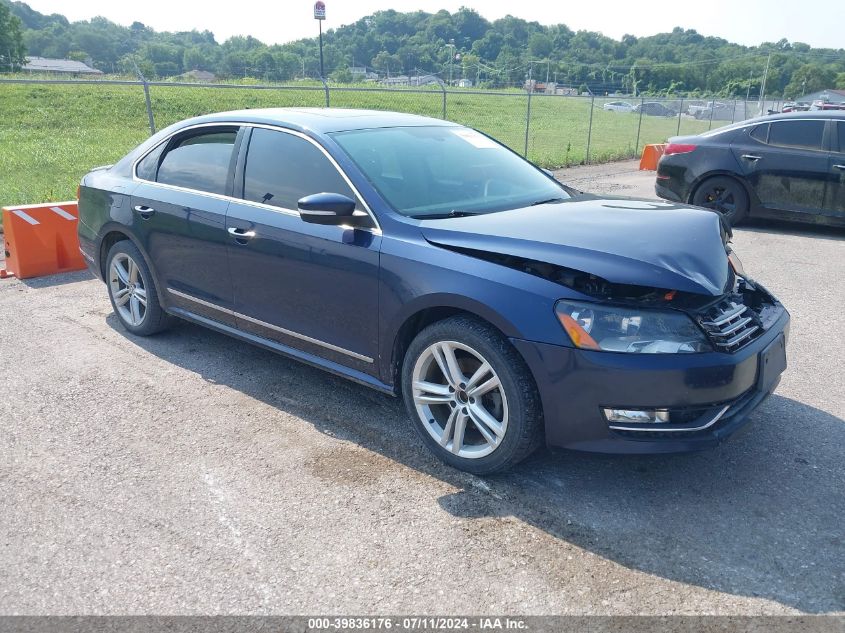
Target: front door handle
839,167
144,211
241,235
753,157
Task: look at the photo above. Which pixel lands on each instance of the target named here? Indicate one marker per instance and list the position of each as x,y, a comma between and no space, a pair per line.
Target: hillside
492,54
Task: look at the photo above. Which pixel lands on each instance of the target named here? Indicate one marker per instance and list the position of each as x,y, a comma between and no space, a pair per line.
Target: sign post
320,15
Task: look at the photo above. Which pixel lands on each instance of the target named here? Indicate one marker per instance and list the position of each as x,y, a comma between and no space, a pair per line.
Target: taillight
678,148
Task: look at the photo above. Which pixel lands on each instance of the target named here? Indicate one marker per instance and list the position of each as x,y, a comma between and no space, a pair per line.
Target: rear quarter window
760,133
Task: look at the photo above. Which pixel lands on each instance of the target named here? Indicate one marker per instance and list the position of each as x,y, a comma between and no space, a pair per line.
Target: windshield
441,171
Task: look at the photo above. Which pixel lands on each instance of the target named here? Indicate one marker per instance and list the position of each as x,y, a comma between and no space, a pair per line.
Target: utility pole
320,15
451,46
548,64
750,79
763,87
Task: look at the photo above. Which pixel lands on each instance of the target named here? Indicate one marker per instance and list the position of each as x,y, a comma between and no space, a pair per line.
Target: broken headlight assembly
629,329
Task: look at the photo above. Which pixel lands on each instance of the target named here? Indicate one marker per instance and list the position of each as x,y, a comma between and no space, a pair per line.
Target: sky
748,22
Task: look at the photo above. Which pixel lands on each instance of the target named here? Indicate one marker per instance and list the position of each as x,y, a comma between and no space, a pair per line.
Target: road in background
189,473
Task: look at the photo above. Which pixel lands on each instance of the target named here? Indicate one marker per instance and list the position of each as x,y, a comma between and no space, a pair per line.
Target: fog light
637,416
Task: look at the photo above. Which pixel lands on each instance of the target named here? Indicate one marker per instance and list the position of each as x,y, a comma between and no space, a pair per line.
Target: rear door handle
840,167
145,211
753,157
241,235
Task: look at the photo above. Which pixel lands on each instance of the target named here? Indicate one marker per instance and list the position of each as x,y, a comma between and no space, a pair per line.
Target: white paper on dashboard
475,138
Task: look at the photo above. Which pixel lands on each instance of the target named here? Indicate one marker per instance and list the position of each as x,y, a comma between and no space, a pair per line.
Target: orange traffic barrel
40,239
651,154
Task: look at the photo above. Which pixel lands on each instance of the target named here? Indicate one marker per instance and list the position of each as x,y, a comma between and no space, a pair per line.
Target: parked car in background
789,166
618,106
695,106
825,105
423,259
654,108
716,111
795,107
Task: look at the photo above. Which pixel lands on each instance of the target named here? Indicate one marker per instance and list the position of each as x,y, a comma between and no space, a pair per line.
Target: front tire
471,397
724,195
132,291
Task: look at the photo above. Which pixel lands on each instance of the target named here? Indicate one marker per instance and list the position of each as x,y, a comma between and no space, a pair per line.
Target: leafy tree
540,45
810,78
12,49
342,76
496,52
387,63
194,58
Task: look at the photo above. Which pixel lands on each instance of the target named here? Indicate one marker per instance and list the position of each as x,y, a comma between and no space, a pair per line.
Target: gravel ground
189,473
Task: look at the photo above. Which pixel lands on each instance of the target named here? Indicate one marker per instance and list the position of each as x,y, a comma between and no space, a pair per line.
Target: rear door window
201,162
797,134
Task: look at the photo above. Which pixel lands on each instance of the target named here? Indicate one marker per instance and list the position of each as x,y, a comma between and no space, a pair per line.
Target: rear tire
132,291
725,195
471,397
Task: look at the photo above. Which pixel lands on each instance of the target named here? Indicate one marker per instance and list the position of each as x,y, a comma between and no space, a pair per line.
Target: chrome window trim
656,428
276,128
270,326
745,125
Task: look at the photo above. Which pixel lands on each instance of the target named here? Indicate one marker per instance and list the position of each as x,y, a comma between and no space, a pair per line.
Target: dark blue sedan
423,258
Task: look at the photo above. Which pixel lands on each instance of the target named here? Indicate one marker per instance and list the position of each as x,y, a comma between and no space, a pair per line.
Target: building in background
825,96
58,66
360,73
200,76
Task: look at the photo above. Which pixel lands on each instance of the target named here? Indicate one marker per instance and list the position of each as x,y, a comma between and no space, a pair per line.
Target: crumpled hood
622,240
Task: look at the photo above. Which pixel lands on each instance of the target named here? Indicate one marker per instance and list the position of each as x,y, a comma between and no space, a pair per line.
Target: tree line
459,45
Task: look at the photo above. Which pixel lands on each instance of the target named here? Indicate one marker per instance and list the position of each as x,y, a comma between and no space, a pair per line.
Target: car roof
809,114
321,120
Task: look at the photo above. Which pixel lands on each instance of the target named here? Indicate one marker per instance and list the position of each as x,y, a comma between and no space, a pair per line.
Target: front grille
730,325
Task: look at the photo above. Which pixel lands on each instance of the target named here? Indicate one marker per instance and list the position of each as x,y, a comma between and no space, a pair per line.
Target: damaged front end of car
671,369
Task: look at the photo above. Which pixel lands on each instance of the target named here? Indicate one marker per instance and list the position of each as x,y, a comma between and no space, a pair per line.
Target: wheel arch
113,234
417,319
723,173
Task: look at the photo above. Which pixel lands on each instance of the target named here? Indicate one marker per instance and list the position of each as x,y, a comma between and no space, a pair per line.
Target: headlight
632,330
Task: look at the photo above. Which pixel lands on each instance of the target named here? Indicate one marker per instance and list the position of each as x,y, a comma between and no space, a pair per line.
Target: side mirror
550,173
330,209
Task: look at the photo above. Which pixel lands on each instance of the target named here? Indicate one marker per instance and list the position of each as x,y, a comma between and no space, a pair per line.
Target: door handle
241,235
145,211
839,167
753,157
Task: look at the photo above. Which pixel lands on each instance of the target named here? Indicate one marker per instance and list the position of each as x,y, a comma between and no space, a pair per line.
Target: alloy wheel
127,289
721,199
460,399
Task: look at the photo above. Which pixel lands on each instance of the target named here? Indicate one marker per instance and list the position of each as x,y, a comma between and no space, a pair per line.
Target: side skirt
273,346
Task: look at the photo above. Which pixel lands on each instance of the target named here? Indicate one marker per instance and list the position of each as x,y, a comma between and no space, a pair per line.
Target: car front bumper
575,385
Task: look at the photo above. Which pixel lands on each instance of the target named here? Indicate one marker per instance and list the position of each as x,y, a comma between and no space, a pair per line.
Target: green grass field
51,135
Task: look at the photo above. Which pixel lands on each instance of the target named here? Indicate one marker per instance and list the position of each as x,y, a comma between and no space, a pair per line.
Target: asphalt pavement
189,473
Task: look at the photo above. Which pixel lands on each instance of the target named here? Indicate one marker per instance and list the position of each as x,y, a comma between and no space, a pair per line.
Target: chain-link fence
55,130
